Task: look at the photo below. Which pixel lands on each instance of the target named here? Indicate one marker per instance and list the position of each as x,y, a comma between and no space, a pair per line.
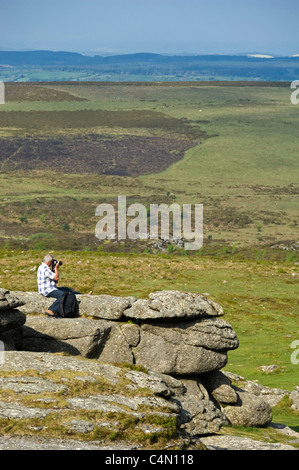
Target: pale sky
162,26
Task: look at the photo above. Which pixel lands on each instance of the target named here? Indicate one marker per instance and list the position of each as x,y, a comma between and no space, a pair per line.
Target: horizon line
257,54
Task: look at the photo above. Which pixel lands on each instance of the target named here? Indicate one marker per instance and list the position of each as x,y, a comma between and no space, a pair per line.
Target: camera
54,262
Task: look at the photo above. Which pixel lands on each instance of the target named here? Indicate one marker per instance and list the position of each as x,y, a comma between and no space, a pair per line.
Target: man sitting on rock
47,284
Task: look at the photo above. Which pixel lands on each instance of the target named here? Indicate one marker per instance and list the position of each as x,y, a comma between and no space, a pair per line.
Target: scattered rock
269,369
79,425
250,410
271,395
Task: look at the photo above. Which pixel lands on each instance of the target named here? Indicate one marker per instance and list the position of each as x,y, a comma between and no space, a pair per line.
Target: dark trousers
57,293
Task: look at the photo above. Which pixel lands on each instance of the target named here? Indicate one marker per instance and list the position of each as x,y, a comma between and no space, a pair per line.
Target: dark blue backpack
68,306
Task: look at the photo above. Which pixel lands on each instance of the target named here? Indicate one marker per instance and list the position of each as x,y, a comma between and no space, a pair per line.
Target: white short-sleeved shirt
45,281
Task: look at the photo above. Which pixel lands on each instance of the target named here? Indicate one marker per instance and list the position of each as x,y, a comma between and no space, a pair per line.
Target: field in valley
67,147
239,145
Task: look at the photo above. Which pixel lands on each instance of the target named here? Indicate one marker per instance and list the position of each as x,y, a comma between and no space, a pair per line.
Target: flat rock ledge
241,443
153,364
162,305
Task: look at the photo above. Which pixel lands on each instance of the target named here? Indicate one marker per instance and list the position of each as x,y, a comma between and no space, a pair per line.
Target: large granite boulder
172,332
250,410
177,333
239,407
9,301
173,305
185,348
11,320
80,336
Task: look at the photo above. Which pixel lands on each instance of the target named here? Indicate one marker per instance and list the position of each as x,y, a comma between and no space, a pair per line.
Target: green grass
267,434
245,173
250,165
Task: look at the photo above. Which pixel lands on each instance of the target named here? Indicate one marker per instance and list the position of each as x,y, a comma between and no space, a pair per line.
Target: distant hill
50,65
16,58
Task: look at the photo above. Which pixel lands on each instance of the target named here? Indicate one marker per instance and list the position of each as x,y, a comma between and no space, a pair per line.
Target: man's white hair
48,258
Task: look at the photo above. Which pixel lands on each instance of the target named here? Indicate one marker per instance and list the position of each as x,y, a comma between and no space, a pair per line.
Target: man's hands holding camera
55,266
56,263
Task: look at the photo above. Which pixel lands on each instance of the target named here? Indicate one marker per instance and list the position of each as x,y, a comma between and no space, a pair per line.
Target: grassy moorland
240,159
67,147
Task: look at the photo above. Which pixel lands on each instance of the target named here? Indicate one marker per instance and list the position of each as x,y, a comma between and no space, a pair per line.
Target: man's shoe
49,313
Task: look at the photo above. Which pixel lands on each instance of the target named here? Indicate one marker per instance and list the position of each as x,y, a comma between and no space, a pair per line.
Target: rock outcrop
78,397
11,320
176,333
178,340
